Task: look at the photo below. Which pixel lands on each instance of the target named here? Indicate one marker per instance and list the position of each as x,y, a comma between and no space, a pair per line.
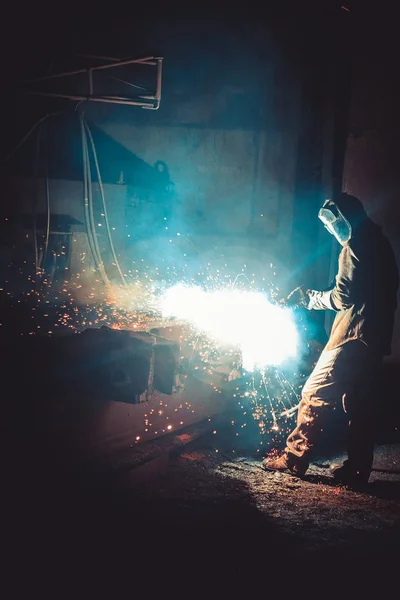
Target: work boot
283,464
355,480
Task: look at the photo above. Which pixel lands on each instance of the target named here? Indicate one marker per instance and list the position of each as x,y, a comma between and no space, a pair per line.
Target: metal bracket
150,101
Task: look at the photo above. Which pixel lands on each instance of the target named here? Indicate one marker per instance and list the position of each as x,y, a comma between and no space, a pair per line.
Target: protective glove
297,298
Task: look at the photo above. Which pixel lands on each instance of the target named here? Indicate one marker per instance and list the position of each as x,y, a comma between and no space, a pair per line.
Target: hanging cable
103,200
86,196
21,143
32,129
86,199
35,200
86,177
47,192
88,206
100,261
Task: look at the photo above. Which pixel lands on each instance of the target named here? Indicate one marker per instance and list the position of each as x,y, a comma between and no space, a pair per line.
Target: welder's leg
318,397
360,447
361,408
335,371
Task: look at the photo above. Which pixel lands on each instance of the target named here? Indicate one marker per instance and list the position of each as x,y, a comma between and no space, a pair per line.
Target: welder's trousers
347,376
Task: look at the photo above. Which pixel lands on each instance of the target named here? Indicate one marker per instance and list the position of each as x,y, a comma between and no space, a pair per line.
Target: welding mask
335,222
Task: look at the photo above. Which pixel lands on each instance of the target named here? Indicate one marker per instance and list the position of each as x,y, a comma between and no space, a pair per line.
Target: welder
348,371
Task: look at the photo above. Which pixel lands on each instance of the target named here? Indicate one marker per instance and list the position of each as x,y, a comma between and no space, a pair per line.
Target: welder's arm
340,297
344,293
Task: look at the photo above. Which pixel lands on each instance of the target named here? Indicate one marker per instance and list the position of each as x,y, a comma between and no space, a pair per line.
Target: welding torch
298,298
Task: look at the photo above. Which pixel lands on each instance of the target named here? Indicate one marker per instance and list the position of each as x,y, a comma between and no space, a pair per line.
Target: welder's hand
297,298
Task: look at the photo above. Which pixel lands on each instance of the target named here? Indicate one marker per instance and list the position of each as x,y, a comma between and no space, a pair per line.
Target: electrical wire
86,196
88,206
89,230
40,124
100,262
24,139
87,201
21,143
35,200
48,207
104,205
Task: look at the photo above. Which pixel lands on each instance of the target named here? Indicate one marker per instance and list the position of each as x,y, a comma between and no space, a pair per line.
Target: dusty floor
194,521
312,513
282,528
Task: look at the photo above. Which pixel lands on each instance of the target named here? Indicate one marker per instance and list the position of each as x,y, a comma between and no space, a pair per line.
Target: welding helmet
335,222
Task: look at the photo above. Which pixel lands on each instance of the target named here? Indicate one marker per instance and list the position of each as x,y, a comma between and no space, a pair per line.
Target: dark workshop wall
373,144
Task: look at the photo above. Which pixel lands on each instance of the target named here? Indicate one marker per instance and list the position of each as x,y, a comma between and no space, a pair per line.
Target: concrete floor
193,520
200,520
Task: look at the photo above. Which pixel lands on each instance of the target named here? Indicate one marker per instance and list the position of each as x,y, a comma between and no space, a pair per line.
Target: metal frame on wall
147,100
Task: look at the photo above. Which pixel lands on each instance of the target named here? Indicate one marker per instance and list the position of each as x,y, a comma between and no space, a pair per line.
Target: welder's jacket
365,292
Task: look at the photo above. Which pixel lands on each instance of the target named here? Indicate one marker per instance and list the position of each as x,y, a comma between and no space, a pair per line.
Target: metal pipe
159,80
139,87
125,98
95,57
97,68
157,96
113,59
155,106
110,99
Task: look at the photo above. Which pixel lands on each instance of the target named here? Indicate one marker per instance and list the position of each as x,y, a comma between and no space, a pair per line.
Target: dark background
347,63
335,81
342,58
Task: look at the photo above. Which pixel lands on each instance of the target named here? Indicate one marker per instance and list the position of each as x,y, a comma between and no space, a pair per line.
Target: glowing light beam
265,333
